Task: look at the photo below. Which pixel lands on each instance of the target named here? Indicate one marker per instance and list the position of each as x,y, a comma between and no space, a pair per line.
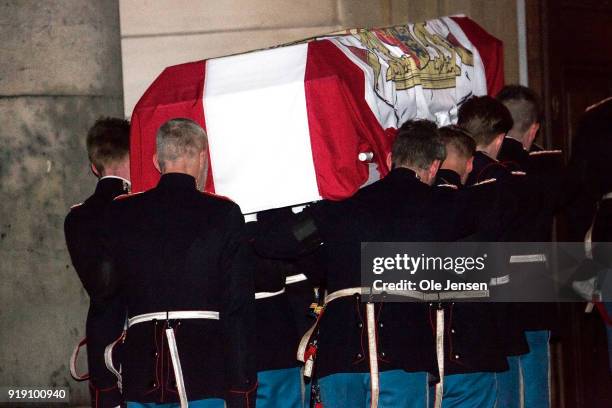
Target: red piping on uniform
361,333
377,319
156,359
83,377
98,391
431,323
603,313
247,392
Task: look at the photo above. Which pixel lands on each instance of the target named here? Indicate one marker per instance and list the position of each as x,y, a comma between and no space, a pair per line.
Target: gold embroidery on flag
427,58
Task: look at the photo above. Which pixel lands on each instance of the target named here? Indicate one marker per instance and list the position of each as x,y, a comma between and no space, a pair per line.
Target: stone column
60,69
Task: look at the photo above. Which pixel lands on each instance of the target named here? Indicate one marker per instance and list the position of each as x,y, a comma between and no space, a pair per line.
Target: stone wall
60,69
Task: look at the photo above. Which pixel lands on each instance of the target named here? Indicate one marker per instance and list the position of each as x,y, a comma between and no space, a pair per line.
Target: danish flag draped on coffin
286,125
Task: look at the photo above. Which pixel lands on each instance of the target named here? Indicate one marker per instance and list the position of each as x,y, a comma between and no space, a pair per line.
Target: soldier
278,370
179,263
472,349
488,121
301,275
366,353
460,149
523,105
108,150
529,372
592,151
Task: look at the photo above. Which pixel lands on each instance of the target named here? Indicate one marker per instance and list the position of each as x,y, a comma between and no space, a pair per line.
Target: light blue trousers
398,389
474,390
527,382
280,388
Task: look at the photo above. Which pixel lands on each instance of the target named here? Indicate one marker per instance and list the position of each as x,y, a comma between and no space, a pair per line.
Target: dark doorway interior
570,65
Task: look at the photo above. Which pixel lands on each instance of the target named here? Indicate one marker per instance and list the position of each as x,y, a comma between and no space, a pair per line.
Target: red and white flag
286,125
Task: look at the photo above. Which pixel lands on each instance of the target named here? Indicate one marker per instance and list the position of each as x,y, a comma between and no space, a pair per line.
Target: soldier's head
418,147
487,120
182,147
108,147
524,106
460,148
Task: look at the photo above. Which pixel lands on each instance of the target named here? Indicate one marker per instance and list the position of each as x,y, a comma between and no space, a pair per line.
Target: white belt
461,294
289,280
330,297
528,258
264,295
407,293
108,360
187,314
345,293
371,327
371,330
500,280
413,294
372,346
440,357
372,353
176,362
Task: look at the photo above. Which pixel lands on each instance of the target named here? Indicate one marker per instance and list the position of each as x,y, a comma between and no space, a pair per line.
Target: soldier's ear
204,158
94,170
156,162
469,165
389,161
497,142
435,166
532,133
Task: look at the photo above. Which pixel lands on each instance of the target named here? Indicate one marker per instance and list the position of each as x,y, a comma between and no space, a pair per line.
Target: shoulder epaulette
487,181
218,196
519,173
598,104
494,164
76,205
448,185
124,196
540,152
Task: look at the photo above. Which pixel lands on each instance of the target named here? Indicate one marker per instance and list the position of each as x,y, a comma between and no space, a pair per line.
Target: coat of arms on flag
286,125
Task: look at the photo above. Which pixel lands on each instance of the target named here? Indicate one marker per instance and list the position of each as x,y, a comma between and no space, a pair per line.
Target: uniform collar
126,182
448,176
404,178
112,186
535,147
481,156
403,173
512,141
177,181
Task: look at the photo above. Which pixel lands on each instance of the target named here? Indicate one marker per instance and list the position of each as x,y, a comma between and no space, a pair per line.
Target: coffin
286,125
